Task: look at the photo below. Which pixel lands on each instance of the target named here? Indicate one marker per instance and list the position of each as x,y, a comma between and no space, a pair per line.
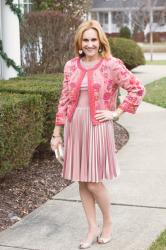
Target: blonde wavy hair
92,24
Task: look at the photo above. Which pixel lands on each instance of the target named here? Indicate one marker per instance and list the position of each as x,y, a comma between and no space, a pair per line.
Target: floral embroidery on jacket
103,84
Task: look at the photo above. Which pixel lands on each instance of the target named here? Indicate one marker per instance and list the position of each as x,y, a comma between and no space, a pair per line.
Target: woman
87,109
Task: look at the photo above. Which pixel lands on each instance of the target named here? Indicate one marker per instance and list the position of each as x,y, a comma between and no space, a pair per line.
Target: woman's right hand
55,141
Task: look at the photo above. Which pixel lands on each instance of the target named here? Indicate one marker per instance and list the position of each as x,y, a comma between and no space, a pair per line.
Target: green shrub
125,32
45,78
128,51
21,128
48,86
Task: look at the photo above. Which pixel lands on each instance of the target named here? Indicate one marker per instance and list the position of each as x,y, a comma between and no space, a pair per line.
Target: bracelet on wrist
115,116
119,111
54,136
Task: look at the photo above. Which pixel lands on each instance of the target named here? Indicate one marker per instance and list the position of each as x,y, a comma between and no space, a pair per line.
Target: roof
118,4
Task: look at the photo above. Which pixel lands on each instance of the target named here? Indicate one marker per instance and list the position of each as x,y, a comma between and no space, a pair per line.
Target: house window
117,18
125,17
139,20
94,15
103,17
27,6
156,16
159,17
164,16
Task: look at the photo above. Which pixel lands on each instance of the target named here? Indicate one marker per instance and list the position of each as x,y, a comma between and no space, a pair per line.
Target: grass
156,94
160,243
157,62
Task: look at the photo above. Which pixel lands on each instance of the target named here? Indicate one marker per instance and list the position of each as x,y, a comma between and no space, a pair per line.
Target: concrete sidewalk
138,197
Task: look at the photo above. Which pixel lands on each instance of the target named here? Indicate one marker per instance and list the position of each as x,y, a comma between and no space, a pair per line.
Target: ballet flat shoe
102,240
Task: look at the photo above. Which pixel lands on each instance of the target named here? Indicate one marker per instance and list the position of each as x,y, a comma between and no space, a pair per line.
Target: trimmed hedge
48,86
42,77
125,32
21,128
128,51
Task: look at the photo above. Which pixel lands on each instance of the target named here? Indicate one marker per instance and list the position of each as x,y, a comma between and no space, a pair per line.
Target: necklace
88,65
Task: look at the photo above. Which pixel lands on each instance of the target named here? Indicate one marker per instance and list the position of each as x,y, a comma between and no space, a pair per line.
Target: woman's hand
55,141
104,115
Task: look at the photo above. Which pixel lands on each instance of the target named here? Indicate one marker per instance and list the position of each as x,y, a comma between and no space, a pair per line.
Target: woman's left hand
104,115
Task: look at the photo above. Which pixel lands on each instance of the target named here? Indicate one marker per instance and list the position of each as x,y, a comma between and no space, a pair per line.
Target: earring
100,50
80,51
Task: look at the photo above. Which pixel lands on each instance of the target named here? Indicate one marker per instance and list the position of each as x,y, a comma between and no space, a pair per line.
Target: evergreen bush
128,51
125,32
21,129
48,86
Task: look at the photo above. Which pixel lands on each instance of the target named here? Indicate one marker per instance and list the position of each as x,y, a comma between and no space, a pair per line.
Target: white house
112,14
10,36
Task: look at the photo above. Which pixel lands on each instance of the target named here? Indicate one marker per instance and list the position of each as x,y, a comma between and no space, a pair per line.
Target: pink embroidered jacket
104,79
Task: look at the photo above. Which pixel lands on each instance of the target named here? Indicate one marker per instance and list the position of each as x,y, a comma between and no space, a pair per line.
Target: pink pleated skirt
89,150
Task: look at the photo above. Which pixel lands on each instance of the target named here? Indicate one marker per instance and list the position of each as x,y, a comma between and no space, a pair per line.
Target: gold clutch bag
59,153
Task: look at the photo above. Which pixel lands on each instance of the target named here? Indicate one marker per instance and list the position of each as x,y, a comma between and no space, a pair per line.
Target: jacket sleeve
135,90
60,116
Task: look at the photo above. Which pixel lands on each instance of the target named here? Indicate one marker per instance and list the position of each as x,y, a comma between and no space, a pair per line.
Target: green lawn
161,62
160,243
156,94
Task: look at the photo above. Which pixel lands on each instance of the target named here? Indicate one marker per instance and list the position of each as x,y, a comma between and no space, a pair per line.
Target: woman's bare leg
101,195
88,202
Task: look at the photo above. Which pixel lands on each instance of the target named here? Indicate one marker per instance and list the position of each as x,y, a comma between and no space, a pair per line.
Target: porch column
130,21
109,22
97,15
89,16
10,39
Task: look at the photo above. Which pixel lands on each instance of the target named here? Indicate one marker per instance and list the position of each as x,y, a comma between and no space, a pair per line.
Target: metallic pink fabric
90,153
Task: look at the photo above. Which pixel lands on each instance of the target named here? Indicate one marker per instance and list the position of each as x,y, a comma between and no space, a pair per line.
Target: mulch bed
23,190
